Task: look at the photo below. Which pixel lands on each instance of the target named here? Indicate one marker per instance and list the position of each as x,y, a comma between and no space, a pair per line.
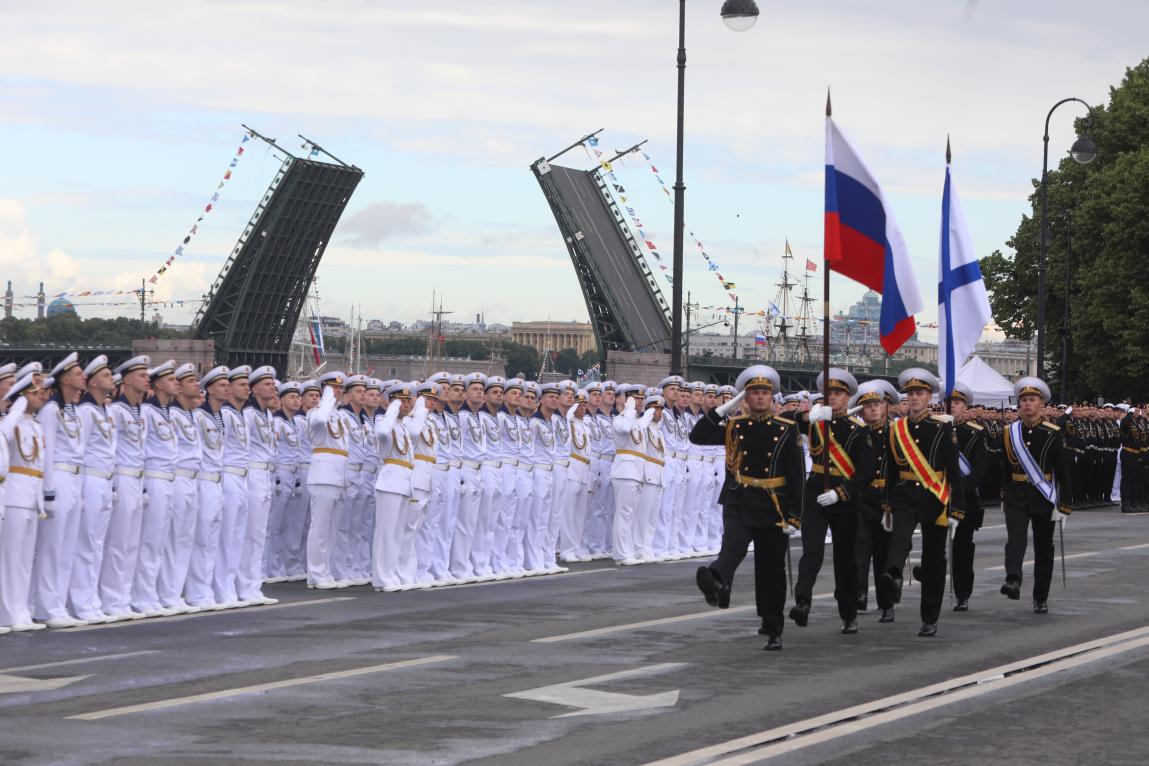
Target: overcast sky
120,118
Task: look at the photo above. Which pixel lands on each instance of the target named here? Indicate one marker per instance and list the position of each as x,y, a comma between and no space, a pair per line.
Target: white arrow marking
593,702
14,684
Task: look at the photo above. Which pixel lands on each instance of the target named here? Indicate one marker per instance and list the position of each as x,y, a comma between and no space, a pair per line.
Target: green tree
521,359
1099,213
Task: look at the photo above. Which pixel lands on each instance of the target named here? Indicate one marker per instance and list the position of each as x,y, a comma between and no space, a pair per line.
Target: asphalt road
603,665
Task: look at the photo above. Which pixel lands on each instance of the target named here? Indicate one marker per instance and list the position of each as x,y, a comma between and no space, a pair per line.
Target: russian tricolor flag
863,241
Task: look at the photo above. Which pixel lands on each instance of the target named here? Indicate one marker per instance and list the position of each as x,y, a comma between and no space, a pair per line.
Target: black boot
800,614
849,627
916,572
1012,589
762,629
890,588
773,644
713,589
962,605
928,630
1040,607
887,615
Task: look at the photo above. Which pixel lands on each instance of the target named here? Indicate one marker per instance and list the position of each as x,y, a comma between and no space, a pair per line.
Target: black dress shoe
1012,589
773,644
724,597
887,615
916,572
800,614
863,603
762,631
962,605
709,583
1040,607
928,630
890,588
849,627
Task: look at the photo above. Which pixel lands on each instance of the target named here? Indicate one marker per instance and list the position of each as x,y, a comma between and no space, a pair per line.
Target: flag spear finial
948,154
827,101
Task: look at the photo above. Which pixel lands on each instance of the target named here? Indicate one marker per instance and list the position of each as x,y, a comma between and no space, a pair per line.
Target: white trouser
536,557
470,500
454,495
249,579
691,535
554,523
232,524
343,557
576,497
521,513
153,537
180,540
670,508
365,513
627,493
597,536
485,525
504,514
649,506
390,516
275,549
84,589
326,507
431,566
416,512
714,526
56,549
295,521
205,544
122,545
17,547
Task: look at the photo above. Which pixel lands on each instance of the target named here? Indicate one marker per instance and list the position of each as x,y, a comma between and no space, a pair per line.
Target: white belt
206,476
235,471
456,464
304,465
544,466
260,466
491,463
564,462
185,473
608,456
164,475
67,468
470,464
679,455
694,457
708,458
97,473
442,466
291,468
354,466
526,467
511,463
131,473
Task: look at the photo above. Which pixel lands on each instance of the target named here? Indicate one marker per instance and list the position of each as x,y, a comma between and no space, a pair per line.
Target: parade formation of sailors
155,489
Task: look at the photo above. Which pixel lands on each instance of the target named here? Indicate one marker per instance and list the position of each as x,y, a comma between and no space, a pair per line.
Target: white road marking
17,684
228,693
179,617
78,660
539,578
790,737
1134,547
594,702
1028,563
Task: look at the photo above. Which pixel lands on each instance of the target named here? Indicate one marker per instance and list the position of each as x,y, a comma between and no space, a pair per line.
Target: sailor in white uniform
260,484
524,479
185,495
326,479
431,552
233,521
538,560
344,559
395,437
472,453
424,439
287,459
628,470
297,513
208,418
507,424
576,496
491,521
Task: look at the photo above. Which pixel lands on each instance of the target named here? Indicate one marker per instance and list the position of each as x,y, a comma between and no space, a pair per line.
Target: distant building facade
555,336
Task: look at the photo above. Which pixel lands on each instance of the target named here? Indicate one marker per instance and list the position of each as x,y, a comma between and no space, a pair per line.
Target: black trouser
1130,483
871,549
964,549
770,544
933,558
842,519
1017,521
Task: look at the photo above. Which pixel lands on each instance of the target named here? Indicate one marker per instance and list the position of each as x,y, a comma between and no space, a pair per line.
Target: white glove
951,522
854,410
827,498
725,409
1068,410
888,521
50,509
1056,517
630,404
820,413
945,418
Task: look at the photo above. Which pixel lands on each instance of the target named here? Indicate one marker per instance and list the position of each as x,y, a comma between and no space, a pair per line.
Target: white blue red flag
963,305
863,241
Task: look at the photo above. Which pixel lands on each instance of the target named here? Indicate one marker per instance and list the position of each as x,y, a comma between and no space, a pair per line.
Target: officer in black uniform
843,468
973,463
761,497
874,525
1026,503
1133,442
931,459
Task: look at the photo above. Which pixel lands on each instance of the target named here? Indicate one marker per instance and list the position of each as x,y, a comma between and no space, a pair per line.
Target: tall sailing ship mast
782,349
805,320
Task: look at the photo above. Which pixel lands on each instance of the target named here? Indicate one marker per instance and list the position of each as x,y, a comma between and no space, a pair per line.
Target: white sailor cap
266,372
428,388
672,380
711,388
759,376
631,389
309,385
567,385
162,370
117,379
698,385
1031,385
70,361
94,366
142,362
374,384
333,378
439,377
840,380
22,384
726,391
917,377
351,381
288,387
592,388
475,377
214,375
243,372
7,371
609,385
495,381
531,387
48,382
650,391
185,371
456,380
32,368
963,392
654,400
870,391
581,397
549,388
400,390
513,383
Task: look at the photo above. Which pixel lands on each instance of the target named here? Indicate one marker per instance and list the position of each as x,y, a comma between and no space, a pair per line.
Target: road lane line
538,578
765,744
78,660
1001,567
97,715
1134,547
180,617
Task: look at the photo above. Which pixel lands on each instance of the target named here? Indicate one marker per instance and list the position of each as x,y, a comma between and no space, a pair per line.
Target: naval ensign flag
963,306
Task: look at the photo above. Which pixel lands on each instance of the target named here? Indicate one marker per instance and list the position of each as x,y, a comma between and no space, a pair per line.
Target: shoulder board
737,418
857,420
1051,426
974,426
937,418
784,421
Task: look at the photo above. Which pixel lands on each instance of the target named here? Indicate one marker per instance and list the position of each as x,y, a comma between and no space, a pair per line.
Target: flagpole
826,344
949,328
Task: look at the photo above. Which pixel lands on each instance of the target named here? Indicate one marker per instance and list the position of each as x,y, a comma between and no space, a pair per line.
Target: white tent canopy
990,388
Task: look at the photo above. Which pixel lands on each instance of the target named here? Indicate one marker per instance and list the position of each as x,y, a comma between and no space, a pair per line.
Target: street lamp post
738,15
1083,151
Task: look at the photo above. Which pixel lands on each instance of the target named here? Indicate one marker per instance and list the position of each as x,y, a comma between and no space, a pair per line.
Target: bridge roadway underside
795,376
